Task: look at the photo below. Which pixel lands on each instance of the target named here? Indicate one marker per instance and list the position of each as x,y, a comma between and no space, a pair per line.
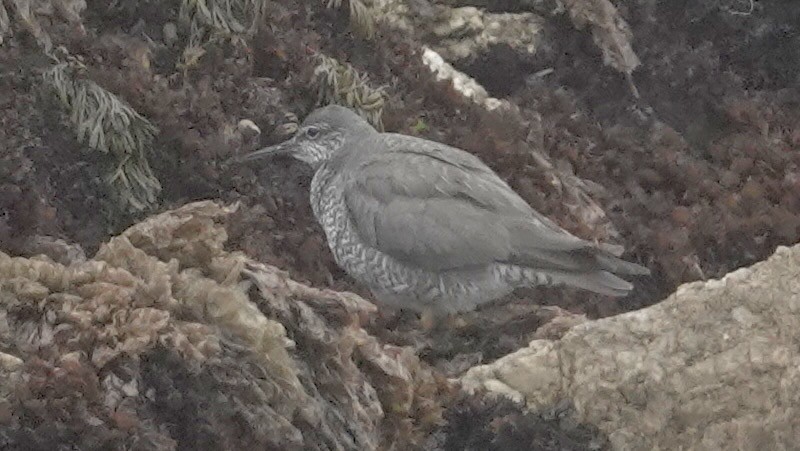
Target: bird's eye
312,132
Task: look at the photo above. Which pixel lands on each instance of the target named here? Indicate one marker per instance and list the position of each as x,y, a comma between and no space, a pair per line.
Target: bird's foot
431,320
428,320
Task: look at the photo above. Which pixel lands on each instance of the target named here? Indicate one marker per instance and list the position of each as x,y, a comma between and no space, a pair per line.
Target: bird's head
322,135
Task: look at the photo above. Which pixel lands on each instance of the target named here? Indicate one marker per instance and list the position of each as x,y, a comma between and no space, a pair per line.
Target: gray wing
442,208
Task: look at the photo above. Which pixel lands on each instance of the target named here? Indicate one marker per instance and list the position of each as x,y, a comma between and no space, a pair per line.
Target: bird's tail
593,269
599,281
602,282
610,263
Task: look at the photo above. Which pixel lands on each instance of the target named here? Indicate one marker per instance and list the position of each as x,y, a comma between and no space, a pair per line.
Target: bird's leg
430,320
456,321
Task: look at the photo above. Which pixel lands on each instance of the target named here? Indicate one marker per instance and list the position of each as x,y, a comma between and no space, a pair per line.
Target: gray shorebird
430,227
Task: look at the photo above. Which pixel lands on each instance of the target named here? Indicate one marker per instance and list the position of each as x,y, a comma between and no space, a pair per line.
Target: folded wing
441,208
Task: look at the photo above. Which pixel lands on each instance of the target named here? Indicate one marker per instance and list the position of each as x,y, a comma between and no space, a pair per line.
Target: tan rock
165,331
714,366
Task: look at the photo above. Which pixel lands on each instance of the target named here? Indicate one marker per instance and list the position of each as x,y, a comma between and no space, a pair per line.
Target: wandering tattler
430,227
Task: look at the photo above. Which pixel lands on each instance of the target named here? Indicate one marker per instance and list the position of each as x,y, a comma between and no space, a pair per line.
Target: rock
165,340
461,33
160,341
462,82
55,248
714,366
170,32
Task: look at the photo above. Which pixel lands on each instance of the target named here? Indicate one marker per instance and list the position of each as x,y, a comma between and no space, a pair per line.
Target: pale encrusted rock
462,32
160,342
714,366
462,82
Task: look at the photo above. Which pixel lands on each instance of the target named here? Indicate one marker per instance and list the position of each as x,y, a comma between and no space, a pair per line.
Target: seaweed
362,18
207,21
105,123
340,83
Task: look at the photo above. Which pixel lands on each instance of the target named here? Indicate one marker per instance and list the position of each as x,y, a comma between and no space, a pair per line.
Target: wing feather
440,208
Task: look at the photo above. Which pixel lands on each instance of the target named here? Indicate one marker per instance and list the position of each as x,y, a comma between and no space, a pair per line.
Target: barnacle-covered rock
610,31
459,33
159,334
714,366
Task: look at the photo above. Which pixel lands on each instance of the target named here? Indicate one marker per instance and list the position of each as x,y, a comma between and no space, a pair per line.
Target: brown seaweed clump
498,423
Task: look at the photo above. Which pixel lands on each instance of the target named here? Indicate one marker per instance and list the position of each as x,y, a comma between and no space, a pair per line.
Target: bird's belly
443,293
403,286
